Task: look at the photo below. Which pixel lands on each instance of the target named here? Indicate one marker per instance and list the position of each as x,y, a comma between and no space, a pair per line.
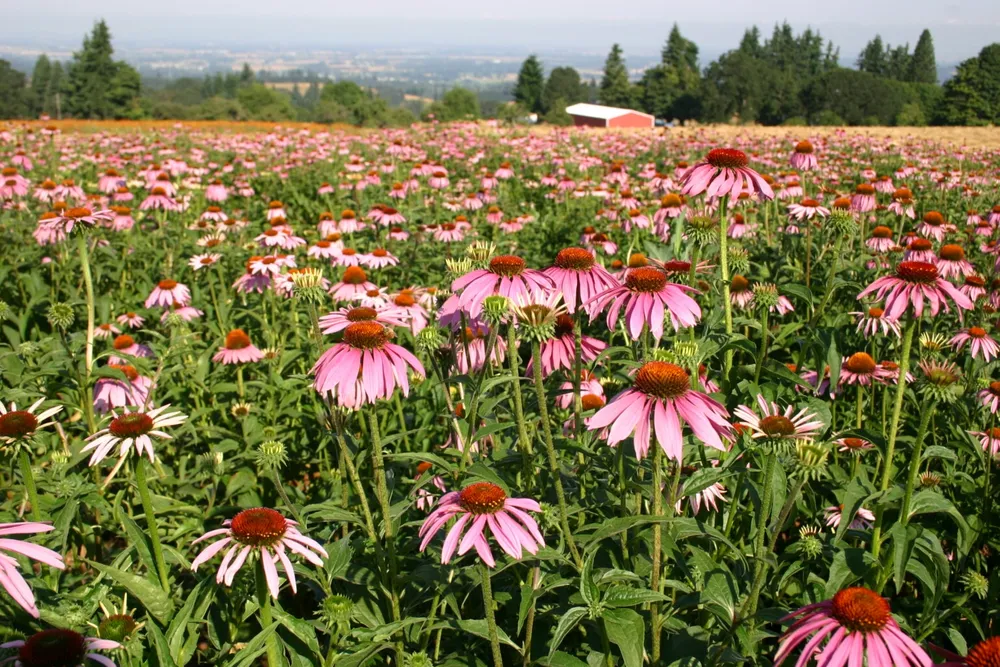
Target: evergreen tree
872,58
897,62
923,67
530,85
679,52
615,89
972,96
246,76
13,94
56,82
41,77
563,88
96,85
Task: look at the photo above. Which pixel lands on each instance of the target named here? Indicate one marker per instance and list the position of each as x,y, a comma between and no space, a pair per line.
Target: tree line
787,78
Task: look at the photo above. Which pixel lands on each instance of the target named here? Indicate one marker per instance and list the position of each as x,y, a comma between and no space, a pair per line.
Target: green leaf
149,593
567,622
703,478
847,566
854,498
834,361
359,658
253,648
627,596
478,627
902,547
140,540
160,647
627,630
588,589
616,525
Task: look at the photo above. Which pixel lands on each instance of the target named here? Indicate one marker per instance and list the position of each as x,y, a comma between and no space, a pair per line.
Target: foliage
563,88
615,89
972,96
13,95
530,86
96,85
456,104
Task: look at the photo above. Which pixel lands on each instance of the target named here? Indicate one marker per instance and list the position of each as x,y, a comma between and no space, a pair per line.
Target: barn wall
631,120
587,121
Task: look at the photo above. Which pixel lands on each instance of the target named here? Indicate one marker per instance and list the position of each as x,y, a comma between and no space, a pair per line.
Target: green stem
378,464
28,477
838,244
543,416
724,265
762,352
491,621
529,622
88,283
239,381
860,407
911,479
577,377
750,607
654,576
890,450
264,605
284,497
523,441
352,474
402,420
147,507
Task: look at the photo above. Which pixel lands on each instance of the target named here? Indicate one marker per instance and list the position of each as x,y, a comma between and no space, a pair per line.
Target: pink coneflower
506,275
449,233
863,199
807,209
874,320
167,293
646,296
778,424
324,249
589,386
990,397
980,343
933,225
379,258
855,627
398,234
22,424
854,446
635,219
862,519
216,191
662,393
426,497
347,257
724,171
472,339
122,220
213,214
578,277
951,262
110,392
920,250
911,284
186,313
10,549
739,291
158,199
404,306
984,654
129,430
68,219
204,260
478,506
708,499
740,228
270,265
275,209
860,369
374,298
560,351
364,366
803,158
259,533
339,320
131,320
237,349
106,331
55,646
600,240
989,440
125,344
353,283
881,239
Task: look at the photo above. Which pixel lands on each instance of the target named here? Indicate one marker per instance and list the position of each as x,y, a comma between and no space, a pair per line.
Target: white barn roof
599,111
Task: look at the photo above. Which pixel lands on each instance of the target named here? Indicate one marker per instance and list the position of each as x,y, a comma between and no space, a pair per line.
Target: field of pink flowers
457,395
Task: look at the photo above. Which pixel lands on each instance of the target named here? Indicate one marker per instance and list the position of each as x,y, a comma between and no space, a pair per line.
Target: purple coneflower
132,429
237,349
662,394
951,262
874,320
803,158
911,284
579,277
778,424
506,276
860,369
483,505
724,172
343,318
22,424
55,646
990,396
855,627
989,440
10,578
167,293
265,534
647,296
980,343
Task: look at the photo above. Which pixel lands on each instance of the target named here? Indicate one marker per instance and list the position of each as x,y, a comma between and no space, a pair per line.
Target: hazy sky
960,27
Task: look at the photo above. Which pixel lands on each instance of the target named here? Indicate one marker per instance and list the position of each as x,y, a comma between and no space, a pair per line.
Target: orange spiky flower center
777,426
977,332
933,218
739,284
574,259
131,425
53,648
366,335
952,253
482,498
662,380
984,654
727,158
354,275
917,272
258,527
592,401
17,424
876,312
507,266
804,147
860,610
646,279
860,363
864,189
882,232
237,339
167,284
361,314
123,342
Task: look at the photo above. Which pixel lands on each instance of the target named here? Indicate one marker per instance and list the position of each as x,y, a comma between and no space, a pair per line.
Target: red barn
595,115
